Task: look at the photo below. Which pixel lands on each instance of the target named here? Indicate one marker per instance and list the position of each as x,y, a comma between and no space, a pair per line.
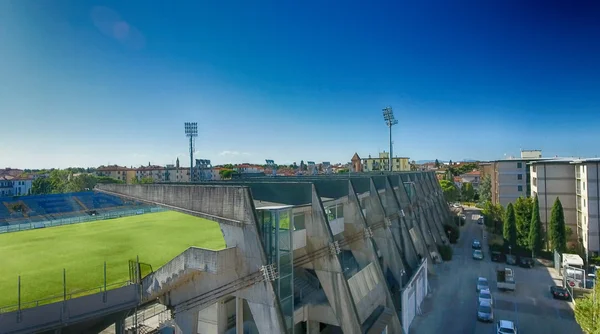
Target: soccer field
39,256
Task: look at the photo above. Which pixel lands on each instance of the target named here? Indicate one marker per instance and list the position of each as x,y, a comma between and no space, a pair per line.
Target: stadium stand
38,208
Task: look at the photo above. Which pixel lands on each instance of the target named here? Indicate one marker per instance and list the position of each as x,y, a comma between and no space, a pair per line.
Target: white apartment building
552,178
510,177
587,189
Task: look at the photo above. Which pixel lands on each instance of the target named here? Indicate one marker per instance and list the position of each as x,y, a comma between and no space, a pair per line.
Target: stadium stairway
80,203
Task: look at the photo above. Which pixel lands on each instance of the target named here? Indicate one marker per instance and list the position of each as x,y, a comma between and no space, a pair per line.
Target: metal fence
104,284
79,219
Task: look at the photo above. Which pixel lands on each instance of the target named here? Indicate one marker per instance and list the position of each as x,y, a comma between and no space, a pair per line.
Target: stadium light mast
390,120
191,131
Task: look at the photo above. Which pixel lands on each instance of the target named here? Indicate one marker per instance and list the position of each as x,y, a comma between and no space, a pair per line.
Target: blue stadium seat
56,206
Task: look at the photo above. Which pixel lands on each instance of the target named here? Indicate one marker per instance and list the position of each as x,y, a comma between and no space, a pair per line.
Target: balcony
577,173
578,190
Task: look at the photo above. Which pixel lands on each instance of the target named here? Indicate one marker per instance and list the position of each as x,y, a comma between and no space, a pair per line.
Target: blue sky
95,82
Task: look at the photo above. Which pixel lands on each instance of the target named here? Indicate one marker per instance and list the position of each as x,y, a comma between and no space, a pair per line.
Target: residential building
587,189
399,164
121,173
154,172
22,186
510,177
248,168
15,186
473,178
551,179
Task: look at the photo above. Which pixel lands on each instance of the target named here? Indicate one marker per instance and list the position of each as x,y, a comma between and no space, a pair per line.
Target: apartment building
121,173
587,190
510,177
399,164
14,186
551,179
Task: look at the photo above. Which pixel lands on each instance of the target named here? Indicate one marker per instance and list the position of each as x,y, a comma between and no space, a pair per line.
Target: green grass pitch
39,256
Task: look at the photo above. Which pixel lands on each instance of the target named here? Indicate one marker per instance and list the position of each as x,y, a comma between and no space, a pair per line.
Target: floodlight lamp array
388,116
191,129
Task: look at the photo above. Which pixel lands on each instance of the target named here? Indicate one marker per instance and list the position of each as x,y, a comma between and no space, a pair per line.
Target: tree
558,232
467,192
437,163
509,229
586,311
494,215
485,189
343,171
535,229
523,207
225,173
450,191
41,186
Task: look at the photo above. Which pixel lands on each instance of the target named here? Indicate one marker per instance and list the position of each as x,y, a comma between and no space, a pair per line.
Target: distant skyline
88,85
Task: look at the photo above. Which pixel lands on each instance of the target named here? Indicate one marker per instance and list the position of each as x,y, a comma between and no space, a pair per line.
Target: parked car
511,259
478,254
482,284
485,296
476,244
480,221
485,312
558,292
526,262
506,327
498,256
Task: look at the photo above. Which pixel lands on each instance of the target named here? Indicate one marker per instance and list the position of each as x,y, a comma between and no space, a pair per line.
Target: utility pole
390,120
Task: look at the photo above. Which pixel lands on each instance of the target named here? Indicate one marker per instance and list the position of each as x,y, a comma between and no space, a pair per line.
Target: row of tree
452,193
64,181
521,226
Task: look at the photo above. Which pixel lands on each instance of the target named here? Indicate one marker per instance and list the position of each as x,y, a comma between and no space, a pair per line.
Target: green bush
452,232
445,252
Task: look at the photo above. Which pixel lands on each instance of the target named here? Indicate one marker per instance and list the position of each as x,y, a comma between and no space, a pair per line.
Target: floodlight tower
272,165
390,120
191,131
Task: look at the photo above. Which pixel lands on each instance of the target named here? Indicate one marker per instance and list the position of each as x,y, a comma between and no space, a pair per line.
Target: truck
505,279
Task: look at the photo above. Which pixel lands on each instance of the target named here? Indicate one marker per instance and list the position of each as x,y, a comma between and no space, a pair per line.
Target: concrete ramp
221,266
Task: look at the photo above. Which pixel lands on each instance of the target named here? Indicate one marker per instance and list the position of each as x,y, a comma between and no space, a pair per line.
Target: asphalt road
452,304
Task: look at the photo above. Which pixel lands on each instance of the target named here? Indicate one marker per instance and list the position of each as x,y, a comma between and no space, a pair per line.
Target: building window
519,165
520,177
535,181
584,202
519,188
533,168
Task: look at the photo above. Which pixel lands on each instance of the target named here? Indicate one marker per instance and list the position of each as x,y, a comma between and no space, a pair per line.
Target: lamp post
390,120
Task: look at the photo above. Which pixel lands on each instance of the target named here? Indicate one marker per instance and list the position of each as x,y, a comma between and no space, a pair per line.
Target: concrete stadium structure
325,254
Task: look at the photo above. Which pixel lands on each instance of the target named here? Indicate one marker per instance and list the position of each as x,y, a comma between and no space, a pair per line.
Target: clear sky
83,84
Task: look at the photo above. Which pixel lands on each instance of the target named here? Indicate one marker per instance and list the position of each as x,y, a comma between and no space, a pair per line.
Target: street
452,304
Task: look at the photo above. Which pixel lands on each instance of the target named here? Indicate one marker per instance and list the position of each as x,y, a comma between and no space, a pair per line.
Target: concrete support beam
187,322
263,318
313,327
239,315
356,223
410,208
329,268
120,326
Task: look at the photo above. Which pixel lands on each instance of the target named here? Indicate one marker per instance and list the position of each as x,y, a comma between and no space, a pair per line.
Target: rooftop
555,160
585,160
